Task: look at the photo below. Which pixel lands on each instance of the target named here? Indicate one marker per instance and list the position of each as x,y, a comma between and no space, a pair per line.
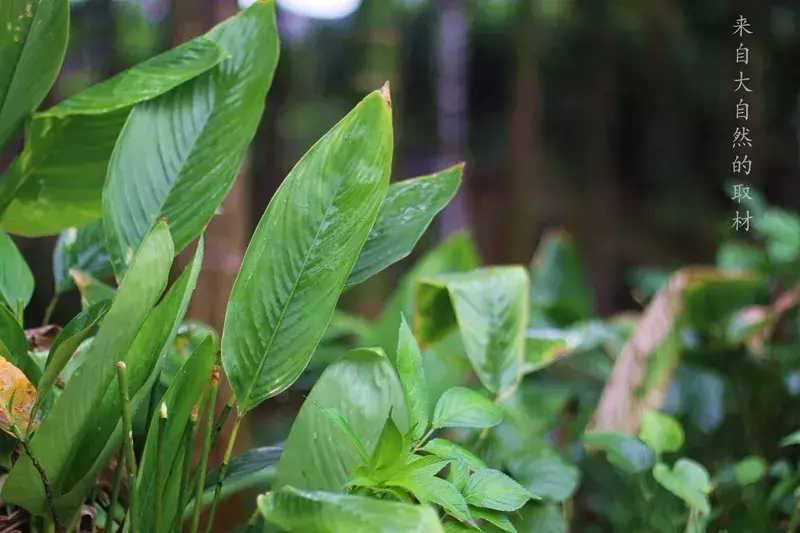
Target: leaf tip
386,93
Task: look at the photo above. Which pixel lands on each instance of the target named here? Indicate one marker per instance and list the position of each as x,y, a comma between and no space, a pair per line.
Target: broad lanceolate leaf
412,377
688,480
54,444
144,361
302,252
464,408
492,489
244,465
545,475
16,280
405,214
389,448
455,254
560,294
57,181
364,388
179,153
17,399
92,291
320,512
33,40
661,432
496,518
449,450
14,346
68,341
644,368
490,308
83,249
338,419
427,488
183,394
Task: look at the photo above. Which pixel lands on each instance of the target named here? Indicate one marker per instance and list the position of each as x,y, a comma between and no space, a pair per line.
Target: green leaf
464,408
364,388
458,474
431,489
490,307
559,291
793,438
16,280
33,40
320,512
497,519
661,432
144,360
623,451
205,127
750,469
458,527
190,335
92,291
457,253
687,480
57,181
546,476
303,250
14,346
83,249
404,216
492,489
450,450
543,346
542,519
341,422
68,341
389,448
183,394
412,377
244,465
57,439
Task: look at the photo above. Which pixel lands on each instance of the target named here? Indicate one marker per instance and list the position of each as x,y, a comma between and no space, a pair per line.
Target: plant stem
223,470
203,466
160,473
48,489
115,491
424,438
188,448
48,312
223,416
130,456
253,522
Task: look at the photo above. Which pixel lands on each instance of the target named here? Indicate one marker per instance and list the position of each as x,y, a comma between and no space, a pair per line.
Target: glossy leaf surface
33,41
490,308
404,216
179,153
57,181
322,512
55,441
363,387
16,280
302,252
83,249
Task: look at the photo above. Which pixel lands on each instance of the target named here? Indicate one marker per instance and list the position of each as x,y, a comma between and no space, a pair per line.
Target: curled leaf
17,398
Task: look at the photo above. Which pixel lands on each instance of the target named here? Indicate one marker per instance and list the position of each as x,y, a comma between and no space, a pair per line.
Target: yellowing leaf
17,398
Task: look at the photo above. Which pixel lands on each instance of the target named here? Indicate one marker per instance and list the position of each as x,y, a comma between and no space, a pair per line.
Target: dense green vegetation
483,398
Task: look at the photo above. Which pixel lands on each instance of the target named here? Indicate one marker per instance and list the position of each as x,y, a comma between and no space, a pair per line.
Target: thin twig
48,312
161,481
223,471
48,489
130,456
200,477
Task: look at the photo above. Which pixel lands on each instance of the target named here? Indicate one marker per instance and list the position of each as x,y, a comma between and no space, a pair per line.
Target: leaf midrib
289,299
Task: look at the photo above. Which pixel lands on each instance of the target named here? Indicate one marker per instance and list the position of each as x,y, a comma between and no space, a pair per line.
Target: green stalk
188,448
48,312
223,416
253,522
203,466
115,491
161,480
130,456
223,471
